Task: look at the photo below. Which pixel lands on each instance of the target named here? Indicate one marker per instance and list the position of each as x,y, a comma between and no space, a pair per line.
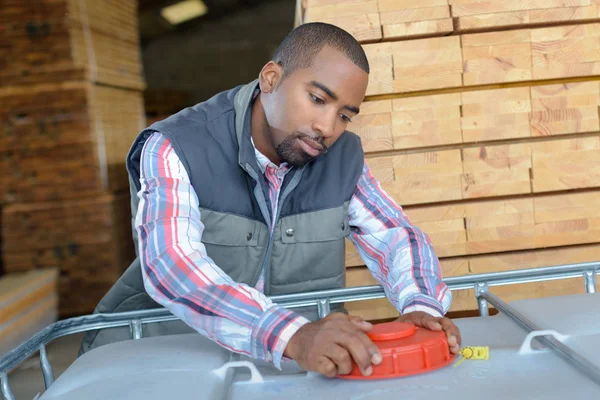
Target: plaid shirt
180,275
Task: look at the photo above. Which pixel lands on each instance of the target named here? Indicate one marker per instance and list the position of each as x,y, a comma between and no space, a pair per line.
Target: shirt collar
264,162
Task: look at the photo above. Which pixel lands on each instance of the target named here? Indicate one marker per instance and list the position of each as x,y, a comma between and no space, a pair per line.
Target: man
253,192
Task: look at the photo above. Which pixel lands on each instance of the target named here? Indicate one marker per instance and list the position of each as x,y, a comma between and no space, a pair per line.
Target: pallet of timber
410,19
464,300
28,303
56,40
65,140
360,18
413,65
89,240
479,15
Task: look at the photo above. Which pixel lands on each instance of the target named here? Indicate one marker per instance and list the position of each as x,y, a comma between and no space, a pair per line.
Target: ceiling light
184,11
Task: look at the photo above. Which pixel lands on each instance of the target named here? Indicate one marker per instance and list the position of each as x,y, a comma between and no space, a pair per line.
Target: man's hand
330,345
424,320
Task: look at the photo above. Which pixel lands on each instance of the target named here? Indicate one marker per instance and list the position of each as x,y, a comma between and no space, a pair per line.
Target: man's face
312,107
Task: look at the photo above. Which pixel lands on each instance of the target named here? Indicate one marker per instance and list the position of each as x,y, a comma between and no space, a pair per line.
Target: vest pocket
310,247
236,244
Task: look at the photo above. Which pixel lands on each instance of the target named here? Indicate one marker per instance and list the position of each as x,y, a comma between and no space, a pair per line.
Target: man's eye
317,99
345,118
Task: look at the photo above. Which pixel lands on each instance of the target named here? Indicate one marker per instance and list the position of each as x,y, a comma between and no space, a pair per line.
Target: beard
290,152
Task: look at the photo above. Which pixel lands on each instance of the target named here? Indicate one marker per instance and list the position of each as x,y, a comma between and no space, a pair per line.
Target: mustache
318,140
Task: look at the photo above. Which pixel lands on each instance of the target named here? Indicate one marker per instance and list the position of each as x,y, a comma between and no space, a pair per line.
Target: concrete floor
27,380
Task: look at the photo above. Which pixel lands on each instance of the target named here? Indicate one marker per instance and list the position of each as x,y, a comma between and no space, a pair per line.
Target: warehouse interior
481,119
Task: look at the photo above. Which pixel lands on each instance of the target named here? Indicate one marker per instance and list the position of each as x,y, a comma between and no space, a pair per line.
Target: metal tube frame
323,300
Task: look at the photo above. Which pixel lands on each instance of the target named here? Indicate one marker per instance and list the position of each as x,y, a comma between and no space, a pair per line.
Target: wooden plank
364,27
495,114
534,259
461,8
497,57
422,177
565,108
415,14
406,66
524,18
418,29
28,323
563,52
568,219
433,63
374,125
395,5
566,207
496,170
568,167
426,121
500,225
318,10
381,68
18,292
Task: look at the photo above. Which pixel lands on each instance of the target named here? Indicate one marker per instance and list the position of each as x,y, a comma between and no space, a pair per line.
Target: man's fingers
326,367
358,349
431,323
341,358
372,350
451,330
361,323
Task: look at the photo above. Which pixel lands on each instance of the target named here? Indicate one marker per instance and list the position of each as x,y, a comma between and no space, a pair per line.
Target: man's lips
310,147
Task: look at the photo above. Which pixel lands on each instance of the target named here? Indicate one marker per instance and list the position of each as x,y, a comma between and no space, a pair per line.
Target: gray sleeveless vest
307,248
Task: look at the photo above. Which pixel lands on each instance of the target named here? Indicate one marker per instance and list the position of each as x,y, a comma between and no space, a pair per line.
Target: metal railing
323,299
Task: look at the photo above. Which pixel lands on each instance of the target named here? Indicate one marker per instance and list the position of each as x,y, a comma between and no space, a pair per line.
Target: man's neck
260,132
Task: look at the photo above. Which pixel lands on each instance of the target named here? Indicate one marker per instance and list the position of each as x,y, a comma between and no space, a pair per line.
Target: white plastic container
191,367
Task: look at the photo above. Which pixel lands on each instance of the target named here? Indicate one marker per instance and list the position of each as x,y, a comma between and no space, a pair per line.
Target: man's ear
270,76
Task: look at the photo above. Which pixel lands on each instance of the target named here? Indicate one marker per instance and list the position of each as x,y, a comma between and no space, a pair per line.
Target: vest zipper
266,262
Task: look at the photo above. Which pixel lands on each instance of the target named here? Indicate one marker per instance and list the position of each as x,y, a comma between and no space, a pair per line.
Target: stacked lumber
50,40
28,303
89,238
63,140
488,135
383,20
71,103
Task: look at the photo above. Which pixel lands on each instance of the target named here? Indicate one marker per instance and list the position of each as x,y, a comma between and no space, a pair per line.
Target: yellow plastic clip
476,353
473,353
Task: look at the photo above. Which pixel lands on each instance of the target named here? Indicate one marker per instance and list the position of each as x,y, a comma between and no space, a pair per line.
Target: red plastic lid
406,350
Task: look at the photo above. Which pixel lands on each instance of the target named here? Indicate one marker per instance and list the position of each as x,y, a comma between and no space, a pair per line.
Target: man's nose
324,125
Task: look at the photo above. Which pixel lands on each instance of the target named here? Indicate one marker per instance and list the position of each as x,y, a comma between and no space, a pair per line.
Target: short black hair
301,45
